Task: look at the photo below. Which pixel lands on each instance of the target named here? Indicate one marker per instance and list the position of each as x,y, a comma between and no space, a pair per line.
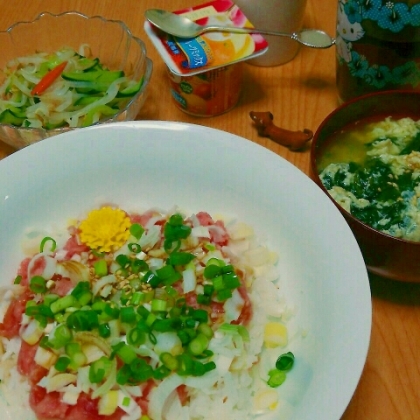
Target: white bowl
145,164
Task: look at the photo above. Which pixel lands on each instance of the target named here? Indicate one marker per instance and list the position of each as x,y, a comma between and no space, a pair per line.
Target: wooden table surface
300,94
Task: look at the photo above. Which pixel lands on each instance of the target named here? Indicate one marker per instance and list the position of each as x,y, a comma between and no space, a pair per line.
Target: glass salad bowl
92,71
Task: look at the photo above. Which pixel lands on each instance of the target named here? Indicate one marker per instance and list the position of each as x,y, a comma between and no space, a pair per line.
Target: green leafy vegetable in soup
372,170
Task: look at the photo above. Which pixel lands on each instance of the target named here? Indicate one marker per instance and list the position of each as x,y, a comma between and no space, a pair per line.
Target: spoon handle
236,30
313,38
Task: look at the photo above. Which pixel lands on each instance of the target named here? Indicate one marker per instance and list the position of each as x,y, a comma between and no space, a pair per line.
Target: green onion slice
101,268
136,337
285,361
180,258
62,363
136,230
44,241
134,247
276,378
38,284
99,369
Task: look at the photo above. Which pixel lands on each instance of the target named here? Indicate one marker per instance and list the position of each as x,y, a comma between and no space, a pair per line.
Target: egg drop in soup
371,168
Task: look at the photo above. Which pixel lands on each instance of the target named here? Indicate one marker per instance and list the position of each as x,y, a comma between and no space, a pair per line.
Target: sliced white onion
132,408
257,256
19,104
153,220
240,231
174,410
203,382
110,94
168,342
194,220
83,381
45,358
150,238
21,86
109,383
58,381
133,390
32,332
160,394
34,122
156,263
189,280
49,269
233,307
109,279
74,270
200,232
71,395
40,110
28,74
65,54
36,59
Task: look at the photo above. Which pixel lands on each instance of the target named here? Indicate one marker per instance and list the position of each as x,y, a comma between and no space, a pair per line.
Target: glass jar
378,46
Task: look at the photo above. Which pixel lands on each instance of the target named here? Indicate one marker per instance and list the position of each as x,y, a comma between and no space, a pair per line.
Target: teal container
378,46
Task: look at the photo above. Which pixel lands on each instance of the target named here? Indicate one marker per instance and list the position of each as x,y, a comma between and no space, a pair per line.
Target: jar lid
211,50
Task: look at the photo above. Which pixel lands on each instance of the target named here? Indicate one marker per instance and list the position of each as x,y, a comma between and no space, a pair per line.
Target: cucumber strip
110,76
103,110
17,112
7,117
50,126
86,100
85,64
130,90
93,76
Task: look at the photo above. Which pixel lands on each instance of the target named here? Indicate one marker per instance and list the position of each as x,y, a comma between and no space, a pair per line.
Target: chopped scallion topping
62,363
276,378
285,361
101,268
38,284
134,247
44,241
136,230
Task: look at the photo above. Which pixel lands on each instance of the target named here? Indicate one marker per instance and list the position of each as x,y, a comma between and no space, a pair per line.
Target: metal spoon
183,27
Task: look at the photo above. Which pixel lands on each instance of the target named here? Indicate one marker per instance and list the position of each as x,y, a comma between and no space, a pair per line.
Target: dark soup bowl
365,156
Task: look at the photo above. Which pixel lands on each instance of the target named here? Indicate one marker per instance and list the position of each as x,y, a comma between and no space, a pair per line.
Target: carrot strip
48,79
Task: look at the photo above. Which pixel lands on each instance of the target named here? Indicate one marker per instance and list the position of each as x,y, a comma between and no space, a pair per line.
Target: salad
63,88
147,315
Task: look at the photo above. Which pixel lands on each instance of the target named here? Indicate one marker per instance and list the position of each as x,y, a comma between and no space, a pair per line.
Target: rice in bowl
153,267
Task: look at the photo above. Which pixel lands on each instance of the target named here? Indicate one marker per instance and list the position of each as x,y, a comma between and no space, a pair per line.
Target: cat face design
347,30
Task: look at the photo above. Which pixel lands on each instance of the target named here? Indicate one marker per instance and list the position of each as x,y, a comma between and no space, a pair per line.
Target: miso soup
372,170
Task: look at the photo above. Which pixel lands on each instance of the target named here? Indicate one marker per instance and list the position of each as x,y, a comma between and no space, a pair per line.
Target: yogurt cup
205,72
211,50
209,93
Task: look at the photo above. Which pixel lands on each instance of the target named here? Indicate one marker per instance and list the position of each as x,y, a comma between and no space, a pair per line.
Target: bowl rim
314,154
142,45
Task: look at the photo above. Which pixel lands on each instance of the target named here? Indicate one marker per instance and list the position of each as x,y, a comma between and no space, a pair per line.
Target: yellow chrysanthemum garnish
105,229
